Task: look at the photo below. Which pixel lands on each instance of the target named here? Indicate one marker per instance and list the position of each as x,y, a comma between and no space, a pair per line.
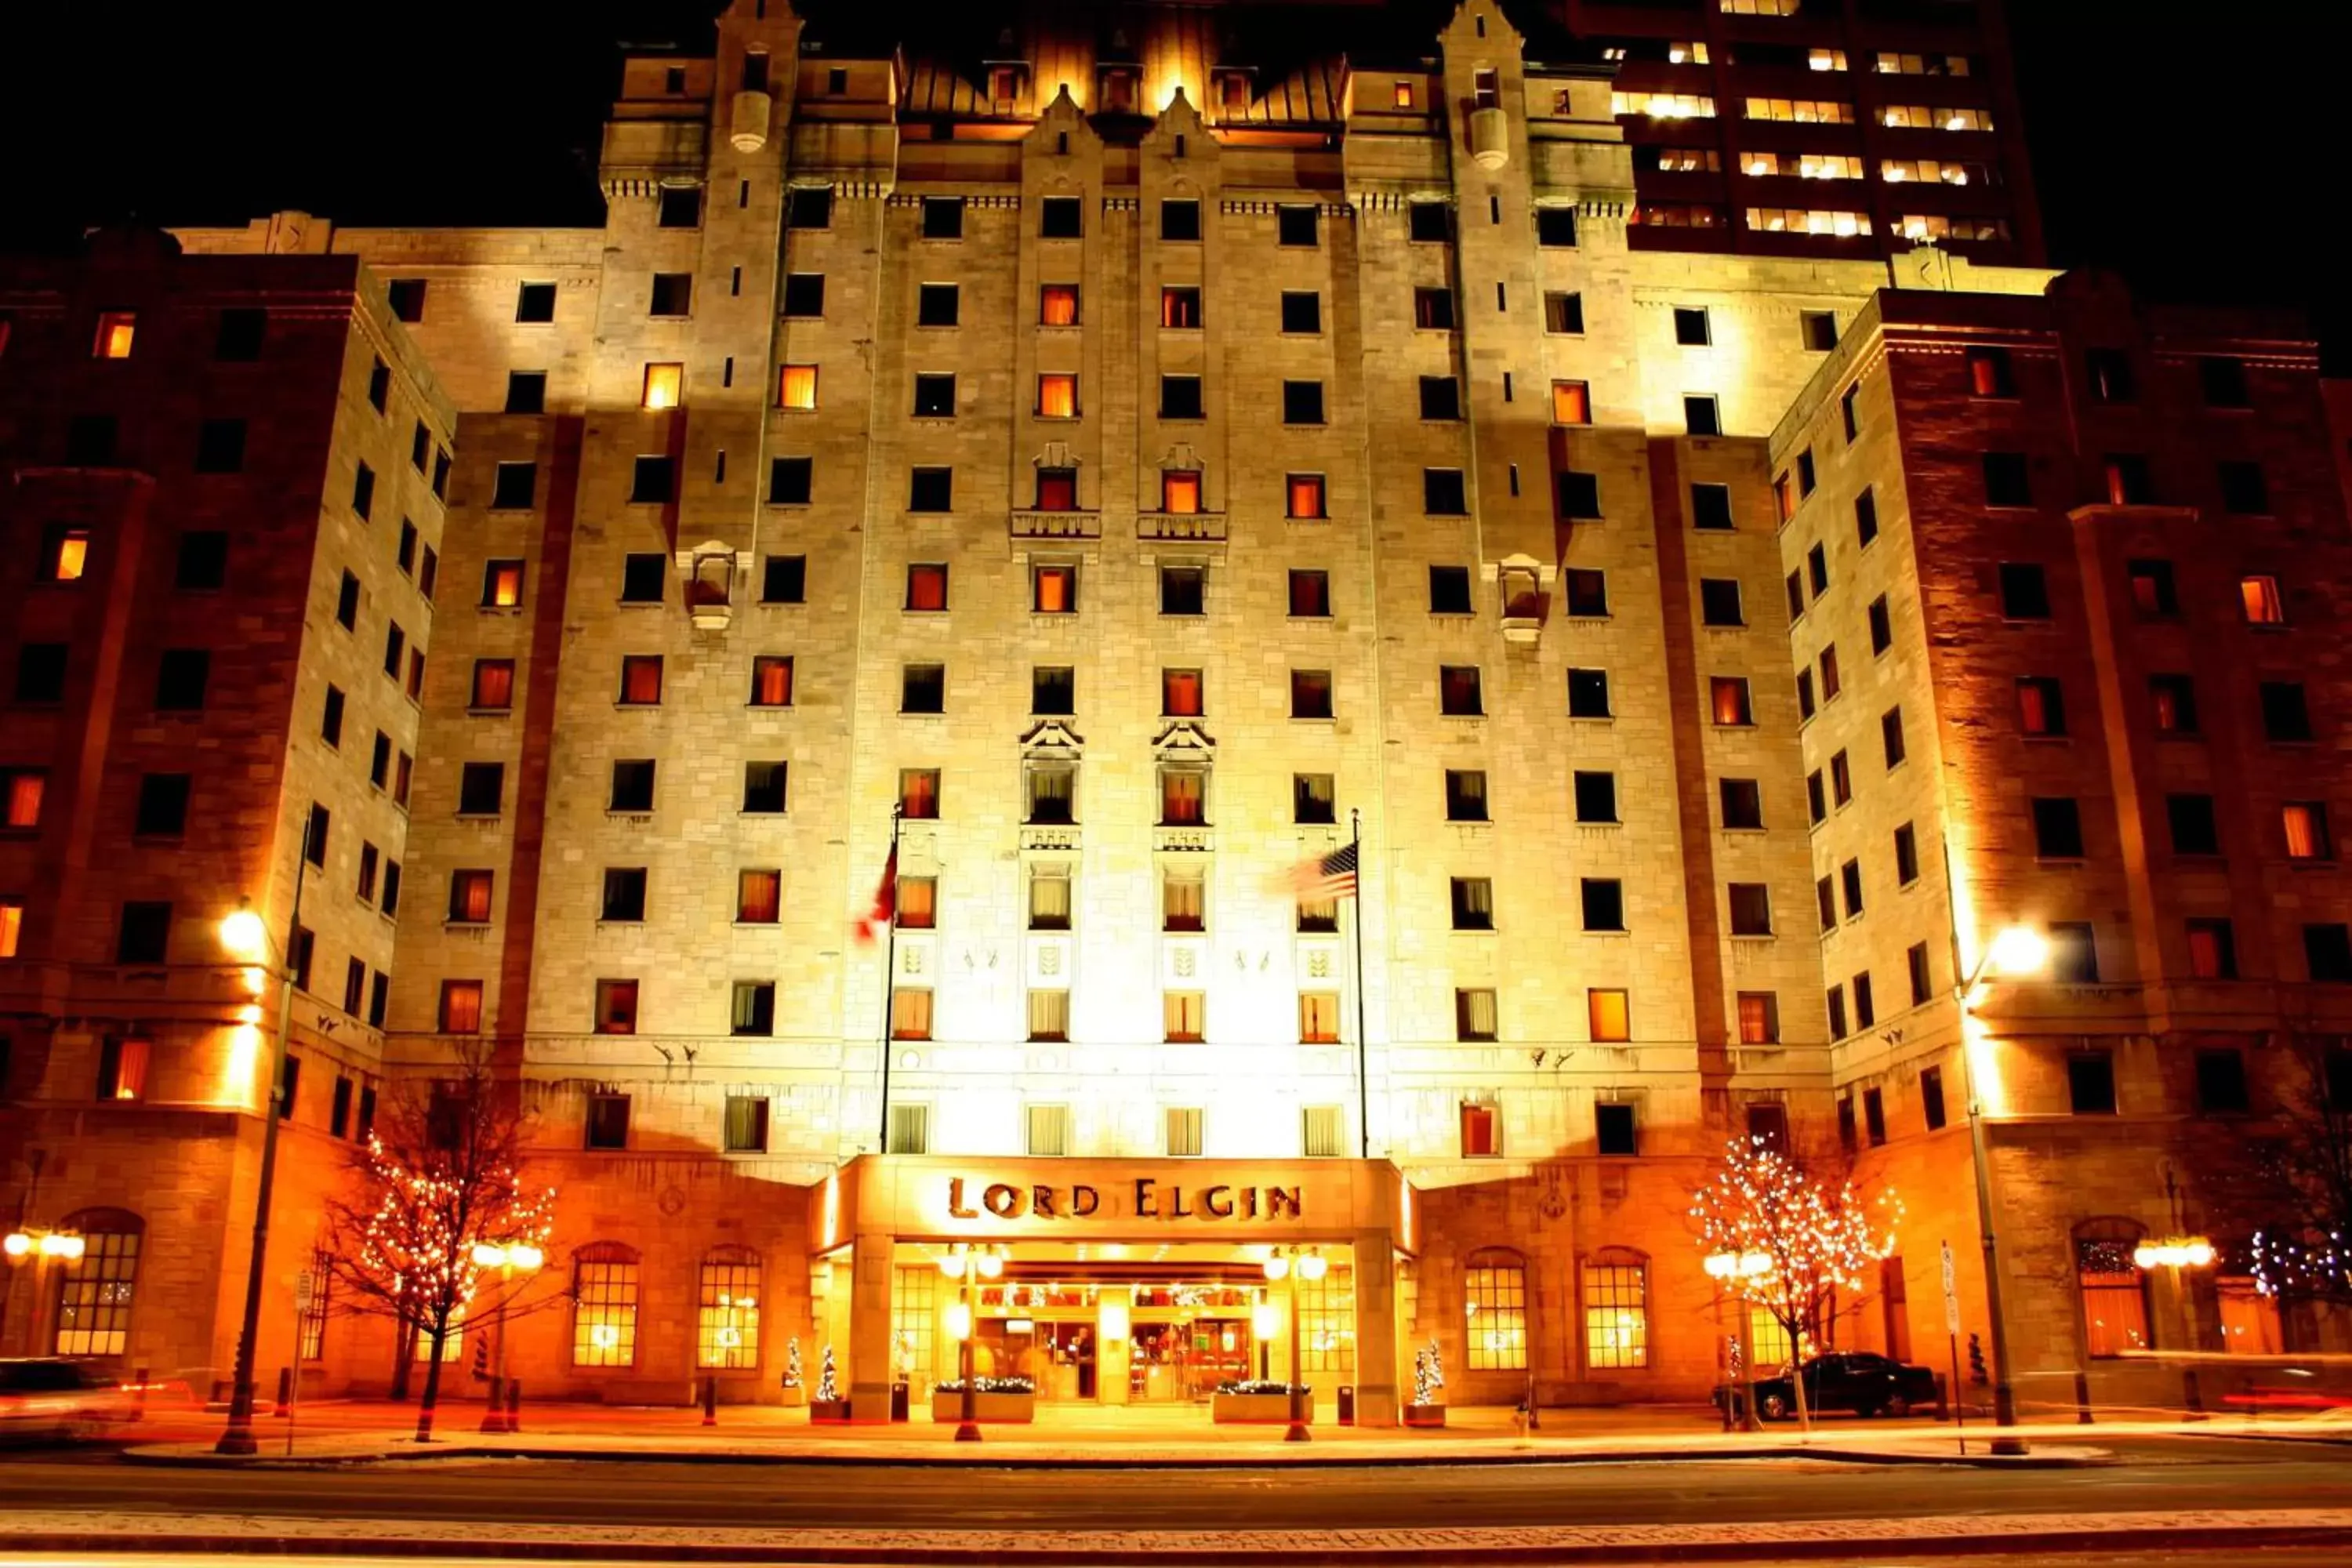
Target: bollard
2082,1399
710,1400
285,1392
138,1395
494,1414
514,1404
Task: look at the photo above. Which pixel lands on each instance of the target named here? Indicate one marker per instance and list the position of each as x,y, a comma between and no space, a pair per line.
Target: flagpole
1363,1072
889,971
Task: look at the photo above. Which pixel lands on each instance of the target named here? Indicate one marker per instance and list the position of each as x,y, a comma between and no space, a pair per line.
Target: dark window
1865,1011
1433,309
363,492
1466,796
935,396
2195,830
180,679
1907,855
809,206
1563,312
624,893
527,392
1848,415
1743,803
1836,996
220,447
1604,903
482,787
1060,217
1310,694
535,303
1457,691
1702,415
202,563
1596,797
1180,219
1588,694
2152,587
1710,506
923,689
804,294
2007,481
1850,884
1181,590
1841,778
162,807
633,785
1302,402
1691,329
2073,954
2091,1084
2327,949
1314,798
930,490
2286,714
1816,799
2129,481
89,441
1718,601
642,578
1866,517
1614,1129
1769,1124
1449,590
1426,222
514,486
1302,312
407,298
1825,902
1310,594
608,1121
764,787
1796,594
379,391
2041,705
1881,625
2057,828
1443,493
1890,735
673,294
347,603
1990,374
145,934
789,479
2024,592
783,580
330,720
2109,372
1580,495
1914,960
1874,1115
1441,397
1555,225
680,207
1295,225
1751,909
2223,382
938,304
240,333
2243,490
1180,397
2221,1082
651,482
1586,590
1474,904
1818,331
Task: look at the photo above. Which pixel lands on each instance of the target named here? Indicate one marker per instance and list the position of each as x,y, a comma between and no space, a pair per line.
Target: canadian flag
886,902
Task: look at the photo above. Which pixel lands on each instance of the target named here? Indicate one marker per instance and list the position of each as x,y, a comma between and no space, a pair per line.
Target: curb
1446,1547
1001,1460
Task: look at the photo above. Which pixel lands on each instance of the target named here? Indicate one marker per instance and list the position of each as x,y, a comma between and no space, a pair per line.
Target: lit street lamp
1296,1265
247,938
962,1263
1724,1267
509,1258
2014,953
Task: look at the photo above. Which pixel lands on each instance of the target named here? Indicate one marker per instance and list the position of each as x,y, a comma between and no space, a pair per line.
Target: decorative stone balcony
1049,836
1183,527
1195,839
1057,525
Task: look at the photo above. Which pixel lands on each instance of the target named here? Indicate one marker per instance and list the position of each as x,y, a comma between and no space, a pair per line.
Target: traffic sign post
1952,1338
306,1296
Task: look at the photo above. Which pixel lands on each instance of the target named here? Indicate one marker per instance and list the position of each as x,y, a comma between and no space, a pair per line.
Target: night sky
2202,157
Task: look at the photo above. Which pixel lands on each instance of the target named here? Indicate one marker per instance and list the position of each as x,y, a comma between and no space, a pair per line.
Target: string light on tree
827,1392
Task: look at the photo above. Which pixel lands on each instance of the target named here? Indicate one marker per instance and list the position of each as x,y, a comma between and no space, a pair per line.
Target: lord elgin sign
1149,1200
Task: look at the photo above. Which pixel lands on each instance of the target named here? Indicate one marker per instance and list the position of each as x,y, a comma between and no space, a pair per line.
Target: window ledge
479,815
1755,935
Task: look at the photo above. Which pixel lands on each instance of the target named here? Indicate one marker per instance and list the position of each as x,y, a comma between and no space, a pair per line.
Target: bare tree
1794,1242
441,1175
2297,1196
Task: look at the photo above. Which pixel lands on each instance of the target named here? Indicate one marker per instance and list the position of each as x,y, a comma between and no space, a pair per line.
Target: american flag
1331,876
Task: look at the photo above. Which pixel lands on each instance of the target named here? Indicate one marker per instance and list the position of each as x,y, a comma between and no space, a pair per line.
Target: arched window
1495,1295
604,1305
94,1290
1616,1309
727,1328
2114,1288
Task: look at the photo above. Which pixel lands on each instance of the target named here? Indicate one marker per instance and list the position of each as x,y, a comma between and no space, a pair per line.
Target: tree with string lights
440,1183
1799,1242
2292,1192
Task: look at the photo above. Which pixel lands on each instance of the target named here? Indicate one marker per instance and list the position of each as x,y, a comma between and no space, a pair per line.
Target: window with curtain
1183,796
2114,1288
1180,693
1179,490
910,1013
1052,790
758,897
1183,902
1049,1015
1616,1309
1058,397
1184,1014
1319,1018
604,1306
919,794
919,902
94,1291
1049,898
727,1321
1495,1296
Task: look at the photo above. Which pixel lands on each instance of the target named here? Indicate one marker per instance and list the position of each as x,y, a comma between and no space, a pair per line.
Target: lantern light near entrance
959,1321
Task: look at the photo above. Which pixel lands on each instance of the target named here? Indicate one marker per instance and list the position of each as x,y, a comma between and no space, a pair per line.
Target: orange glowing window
1057,305
1479,1138
68,555
1305,494
758,897
501,585
919,794
641,680
1056,590
2260,597
2306,830
1729,697
666,384
123,1066
493,683
918,901
796,386
21,800
12,927
461,1006
1571,403
927,587
1760,1017
1404,97
771,682
1180,693
1057,489
115,331
1319,1018
616,1007
1183,797
1184,1014
1058,397
910,1014
1179,490
1610,1016
469,897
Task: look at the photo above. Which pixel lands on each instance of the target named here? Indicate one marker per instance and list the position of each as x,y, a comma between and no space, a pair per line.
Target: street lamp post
1724,1267
962,1263
1296,1265
2174,1254
245,934
509,1258
2013,951
39,1247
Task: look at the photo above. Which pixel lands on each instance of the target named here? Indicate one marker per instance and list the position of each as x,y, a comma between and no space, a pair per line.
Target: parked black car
1857,1382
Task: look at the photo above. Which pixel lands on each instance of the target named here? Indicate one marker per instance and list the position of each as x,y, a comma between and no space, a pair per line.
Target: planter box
1002,1408
1424,1416
828,1410
793,1398
1246,1407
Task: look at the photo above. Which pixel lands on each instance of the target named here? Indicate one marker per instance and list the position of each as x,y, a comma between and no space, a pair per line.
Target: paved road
2161,1474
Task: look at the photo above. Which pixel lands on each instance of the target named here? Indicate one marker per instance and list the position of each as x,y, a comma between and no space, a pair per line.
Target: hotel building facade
1085,479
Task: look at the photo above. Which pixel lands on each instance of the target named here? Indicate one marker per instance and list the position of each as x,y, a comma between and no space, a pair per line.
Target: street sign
305,1290
1951,1295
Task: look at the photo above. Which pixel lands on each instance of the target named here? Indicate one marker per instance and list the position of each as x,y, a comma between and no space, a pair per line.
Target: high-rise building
1155,640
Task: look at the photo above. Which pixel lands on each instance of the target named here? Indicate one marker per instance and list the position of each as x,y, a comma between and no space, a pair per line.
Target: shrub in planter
993,1399
1259,1399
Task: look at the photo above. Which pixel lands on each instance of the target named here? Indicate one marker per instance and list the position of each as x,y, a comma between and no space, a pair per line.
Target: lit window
2260,596
2305,822
1802,110
1183,797
1760,1017
461,1006
1805,220
2113,1289
1182,903
65,554
927,587
1058,397
616,1007
1616,1309
1571,403
12,926
1049,898
1183,1015
796,386
1179,491
21,790
758,897
919,794
493,684
469,897
1609,1014
910,1013
1305,493
1049,1015
1663,105
641,680
1319,1018
1057,305
727,1324
94,1290
605,1316
918,903
771,682
1402,96
1053,590
1496,1298
665,383
501,585
115,331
